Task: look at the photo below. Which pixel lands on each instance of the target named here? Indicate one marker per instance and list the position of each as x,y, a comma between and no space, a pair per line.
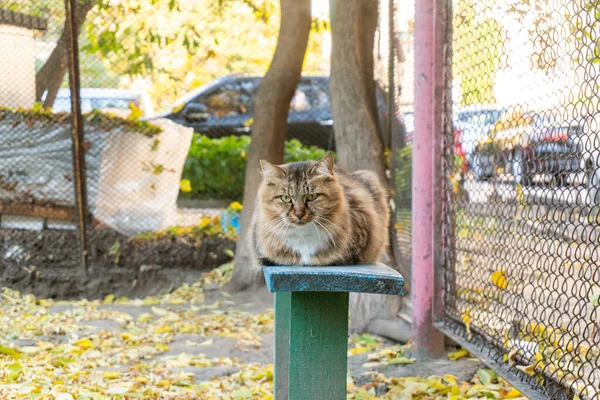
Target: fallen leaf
458,354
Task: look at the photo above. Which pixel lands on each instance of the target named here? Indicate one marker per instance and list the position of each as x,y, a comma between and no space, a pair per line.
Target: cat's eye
286,199
311,197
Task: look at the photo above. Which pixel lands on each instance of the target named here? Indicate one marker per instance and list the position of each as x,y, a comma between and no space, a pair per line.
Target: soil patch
46,263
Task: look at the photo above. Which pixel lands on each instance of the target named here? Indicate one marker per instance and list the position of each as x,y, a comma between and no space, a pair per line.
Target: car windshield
480,117
237,97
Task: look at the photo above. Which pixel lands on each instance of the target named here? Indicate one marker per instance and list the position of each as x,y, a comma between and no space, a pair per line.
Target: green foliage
179,45
478,46
216,167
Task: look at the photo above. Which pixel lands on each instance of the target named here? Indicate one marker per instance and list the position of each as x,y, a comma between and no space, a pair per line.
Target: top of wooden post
348,278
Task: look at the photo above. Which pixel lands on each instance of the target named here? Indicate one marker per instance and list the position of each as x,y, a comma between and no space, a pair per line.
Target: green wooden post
318,346
282,344
311,325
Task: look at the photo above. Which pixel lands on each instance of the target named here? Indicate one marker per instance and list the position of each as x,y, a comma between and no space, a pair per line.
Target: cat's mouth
301,222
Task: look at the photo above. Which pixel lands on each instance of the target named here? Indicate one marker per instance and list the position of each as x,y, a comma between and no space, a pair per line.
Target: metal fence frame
433,220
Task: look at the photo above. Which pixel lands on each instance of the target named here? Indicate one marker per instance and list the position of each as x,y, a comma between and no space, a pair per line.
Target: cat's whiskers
325,229
271,222
318,230
272,225
281,228
335,228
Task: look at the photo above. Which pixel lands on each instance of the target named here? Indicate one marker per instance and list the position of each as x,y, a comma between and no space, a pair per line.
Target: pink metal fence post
426,196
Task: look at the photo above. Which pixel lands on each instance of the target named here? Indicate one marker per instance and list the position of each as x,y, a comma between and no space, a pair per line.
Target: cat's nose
299,212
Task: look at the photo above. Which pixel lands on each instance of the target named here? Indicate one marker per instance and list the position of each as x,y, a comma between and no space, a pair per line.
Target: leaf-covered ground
187,345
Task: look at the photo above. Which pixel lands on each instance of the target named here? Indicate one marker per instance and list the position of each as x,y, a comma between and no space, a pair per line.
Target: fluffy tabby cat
315,213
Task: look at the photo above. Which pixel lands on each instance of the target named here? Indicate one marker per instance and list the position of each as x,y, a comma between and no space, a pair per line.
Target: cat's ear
271,170
325,165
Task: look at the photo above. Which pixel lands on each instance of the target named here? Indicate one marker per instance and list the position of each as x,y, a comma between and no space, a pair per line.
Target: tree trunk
50,77
270,119
356,124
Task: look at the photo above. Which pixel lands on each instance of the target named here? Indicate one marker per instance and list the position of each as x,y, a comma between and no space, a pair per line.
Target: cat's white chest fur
307,240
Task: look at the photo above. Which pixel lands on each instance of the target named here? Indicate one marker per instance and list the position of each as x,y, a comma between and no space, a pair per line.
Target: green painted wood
347,278
282,344
318,346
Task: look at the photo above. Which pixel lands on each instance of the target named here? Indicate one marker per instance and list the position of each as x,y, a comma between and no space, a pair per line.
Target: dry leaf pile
51,350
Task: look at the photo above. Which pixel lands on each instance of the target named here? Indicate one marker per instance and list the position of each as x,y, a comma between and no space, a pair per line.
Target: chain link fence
521,212
166,115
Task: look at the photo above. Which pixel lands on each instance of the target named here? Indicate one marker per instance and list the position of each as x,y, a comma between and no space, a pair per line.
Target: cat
315,213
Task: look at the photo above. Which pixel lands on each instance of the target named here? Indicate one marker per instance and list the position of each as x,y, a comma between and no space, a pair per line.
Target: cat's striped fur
312,213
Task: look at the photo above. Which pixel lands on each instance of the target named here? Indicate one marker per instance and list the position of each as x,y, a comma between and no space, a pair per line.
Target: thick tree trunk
50,77
354,108
353,102
270,119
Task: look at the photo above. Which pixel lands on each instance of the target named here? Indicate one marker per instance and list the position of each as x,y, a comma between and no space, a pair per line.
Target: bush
215,167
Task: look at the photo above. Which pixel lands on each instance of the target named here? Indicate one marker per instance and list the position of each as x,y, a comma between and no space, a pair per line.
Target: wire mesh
195,76
167,107
36,172
521,168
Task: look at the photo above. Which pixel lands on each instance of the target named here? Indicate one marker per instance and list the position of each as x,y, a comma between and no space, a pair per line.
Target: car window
311,95
485,117
229,99
103,103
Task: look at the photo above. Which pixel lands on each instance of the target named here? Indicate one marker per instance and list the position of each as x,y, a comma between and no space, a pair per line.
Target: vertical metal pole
77,128
427,340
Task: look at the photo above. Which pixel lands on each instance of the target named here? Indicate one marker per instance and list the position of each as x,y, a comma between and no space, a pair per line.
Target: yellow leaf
499,279
529,369
109,299
178,108
249,122
111,374
10,352
185,186
162,347
136,113
466,317
163,329
457,355
455,390
84,343
513,394
357,350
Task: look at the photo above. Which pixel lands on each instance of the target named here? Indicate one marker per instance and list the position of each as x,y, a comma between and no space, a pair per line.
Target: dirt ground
46,263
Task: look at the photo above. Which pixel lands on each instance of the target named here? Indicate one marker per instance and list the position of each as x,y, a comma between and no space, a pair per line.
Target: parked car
535,148
108,100
225,106
471,124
